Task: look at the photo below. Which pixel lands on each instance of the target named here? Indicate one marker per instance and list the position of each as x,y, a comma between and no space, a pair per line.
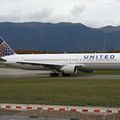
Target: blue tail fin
5,50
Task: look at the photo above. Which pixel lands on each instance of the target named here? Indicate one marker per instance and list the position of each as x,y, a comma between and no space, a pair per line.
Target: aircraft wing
49,64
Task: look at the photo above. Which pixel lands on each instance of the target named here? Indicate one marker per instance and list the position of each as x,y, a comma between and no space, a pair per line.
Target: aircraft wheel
54,74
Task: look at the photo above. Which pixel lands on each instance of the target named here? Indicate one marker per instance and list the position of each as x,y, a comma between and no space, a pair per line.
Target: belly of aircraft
103,66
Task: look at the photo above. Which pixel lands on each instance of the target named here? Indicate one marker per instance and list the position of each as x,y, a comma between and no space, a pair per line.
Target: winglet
5,49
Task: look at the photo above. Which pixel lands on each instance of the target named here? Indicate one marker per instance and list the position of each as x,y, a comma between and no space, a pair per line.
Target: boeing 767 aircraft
59,64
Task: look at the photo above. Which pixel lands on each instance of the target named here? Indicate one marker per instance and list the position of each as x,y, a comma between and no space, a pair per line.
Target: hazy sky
94,13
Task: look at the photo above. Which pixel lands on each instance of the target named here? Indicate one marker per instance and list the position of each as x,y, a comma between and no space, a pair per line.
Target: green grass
107,72
60,91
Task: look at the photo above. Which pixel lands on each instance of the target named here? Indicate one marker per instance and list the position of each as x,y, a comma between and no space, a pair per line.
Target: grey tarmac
14,117
10,72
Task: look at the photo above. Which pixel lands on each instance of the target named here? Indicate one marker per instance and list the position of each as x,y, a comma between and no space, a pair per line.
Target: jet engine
69,70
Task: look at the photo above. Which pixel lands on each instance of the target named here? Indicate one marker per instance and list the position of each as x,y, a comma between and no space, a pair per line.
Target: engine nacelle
69,69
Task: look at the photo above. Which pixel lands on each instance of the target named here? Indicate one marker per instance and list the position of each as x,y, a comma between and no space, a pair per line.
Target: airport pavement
55,115
9,72
9,117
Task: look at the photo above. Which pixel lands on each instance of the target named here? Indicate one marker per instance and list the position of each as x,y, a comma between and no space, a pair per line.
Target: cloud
17,15
40,15
78,10
117,0
99,23
89,12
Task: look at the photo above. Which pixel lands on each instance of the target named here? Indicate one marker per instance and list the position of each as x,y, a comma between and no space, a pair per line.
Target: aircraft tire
54,74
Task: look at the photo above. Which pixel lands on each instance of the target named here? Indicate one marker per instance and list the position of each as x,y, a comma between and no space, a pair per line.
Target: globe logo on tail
5,50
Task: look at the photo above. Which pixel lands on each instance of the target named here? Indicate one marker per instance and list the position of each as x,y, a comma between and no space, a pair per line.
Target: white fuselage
92,61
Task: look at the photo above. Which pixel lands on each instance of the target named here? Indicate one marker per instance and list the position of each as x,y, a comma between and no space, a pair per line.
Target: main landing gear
58,74
54,74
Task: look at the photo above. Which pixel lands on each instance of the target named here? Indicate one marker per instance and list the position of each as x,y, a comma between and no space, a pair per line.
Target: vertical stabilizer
5,50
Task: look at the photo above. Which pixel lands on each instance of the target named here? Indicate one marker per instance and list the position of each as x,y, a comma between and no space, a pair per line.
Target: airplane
60,64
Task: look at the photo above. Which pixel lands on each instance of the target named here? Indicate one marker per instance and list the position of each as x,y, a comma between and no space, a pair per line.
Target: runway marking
24,107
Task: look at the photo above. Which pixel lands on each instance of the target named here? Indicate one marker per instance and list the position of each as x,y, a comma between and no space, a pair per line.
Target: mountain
60,37
111,28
